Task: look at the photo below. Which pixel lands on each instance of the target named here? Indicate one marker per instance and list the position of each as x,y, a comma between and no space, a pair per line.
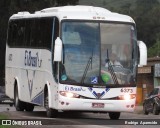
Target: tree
154,50
146,20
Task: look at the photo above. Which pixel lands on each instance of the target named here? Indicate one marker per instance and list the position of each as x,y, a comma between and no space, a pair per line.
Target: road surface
78,120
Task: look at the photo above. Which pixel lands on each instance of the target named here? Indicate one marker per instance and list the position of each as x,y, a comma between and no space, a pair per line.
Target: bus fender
48,87
16,83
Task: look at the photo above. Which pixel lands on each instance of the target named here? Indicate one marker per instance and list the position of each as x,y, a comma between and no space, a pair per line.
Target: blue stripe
90,89
107,89
95,94
38,99
103,93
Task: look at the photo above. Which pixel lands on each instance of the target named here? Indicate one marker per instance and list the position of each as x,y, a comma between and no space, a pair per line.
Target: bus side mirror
142,53
58,50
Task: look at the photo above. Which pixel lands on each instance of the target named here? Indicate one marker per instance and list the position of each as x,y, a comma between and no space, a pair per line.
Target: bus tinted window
32,33
12,33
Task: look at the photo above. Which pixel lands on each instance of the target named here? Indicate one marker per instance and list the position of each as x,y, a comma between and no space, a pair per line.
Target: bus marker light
127,106
132,106
64,16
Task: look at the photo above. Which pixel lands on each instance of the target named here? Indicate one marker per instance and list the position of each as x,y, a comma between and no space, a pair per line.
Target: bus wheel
145,110
51,113
155,111
19,105
114,115
29,107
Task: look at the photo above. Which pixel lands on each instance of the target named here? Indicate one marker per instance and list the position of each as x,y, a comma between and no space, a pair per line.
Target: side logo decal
98,95
30,60
30,81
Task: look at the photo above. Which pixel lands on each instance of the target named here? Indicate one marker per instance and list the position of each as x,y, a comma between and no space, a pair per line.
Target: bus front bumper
95,105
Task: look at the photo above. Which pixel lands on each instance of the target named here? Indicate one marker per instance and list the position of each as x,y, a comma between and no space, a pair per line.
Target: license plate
97,105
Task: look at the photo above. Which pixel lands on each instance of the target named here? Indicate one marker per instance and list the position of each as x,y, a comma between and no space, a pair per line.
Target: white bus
60,58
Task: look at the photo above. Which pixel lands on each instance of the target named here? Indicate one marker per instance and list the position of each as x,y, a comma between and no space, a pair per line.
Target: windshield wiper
110,68
87,67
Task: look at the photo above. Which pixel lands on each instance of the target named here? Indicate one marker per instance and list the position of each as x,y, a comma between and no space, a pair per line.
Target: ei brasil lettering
32,60
67,88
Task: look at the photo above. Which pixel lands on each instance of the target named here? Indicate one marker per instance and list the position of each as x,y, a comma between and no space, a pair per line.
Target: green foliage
146,18
154,50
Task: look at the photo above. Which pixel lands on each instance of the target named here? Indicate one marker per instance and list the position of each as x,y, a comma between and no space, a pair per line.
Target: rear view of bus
93,62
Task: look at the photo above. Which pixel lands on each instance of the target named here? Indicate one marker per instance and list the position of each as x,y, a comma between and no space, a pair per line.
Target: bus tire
51,113
29,107
155,111
19,105
114,115
145,110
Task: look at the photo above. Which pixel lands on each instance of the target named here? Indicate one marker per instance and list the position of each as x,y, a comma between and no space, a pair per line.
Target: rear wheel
155,111
19,105
114,115
145,110
29,107
51,113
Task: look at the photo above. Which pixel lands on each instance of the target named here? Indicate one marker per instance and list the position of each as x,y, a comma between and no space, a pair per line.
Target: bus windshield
97,53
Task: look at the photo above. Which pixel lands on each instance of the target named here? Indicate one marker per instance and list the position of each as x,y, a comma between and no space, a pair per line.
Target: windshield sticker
63,77
94,80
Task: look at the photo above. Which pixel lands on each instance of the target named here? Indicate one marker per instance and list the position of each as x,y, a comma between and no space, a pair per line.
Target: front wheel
114,115
145,110
155,111
29,107
51,113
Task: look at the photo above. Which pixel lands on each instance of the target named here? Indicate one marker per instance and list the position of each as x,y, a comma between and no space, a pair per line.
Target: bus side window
33,34
12,33
20,33
27,33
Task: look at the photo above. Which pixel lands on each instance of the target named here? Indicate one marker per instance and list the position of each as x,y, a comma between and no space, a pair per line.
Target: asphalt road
79,120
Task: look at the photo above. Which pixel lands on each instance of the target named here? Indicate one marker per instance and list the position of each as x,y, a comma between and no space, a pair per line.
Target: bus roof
76,12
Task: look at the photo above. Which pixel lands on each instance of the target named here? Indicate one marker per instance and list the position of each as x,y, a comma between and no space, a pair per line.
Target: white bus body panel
105,96
32,70
75,12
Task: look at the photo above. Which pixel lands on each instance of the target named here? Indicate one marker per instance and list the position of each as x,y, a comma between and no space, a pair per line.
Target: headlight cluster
127,97
69,94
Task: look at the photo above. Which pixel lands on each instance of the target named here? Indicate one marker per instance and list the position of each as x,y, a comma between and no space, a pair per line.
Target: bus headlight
127,97
69,94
